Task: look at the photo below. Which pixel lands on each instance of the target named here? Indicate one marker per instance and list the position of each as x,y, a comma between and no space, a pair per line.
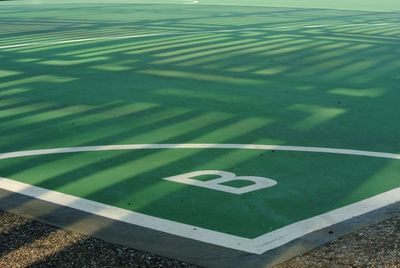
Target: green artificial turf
116,73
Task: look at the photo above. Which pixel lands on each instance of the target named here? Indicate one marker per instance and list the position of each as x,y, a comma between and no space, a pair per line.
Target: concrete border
176,247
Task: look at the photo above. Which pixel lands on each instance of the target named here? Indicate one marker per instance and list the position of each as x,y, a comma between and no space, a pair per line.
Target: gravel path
28,243
374,246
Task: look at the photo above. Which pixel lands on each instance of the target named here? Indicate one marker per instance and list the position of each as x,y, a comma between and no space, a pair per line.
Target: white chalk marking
257,245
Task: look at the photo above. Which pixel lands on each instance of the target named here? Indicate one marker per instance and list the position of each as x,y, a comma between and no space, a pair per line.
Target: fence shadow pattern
195,74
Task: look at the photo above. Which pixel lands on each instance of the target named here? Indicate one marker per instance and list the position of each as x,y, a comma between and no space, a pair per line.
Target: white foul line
257,245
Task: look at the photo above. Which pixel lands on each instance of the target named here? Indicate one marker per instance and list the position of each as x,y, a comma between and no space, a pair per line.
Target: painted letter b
223,177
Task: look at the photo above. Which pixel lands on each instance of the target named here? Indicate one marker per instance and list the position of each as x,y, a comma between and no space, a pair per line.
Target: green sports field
304,93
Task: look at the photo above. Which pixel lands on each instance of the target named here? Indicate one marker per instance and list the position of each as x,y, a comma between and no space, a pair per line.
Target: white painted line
258,245
293,231
127,216
198,146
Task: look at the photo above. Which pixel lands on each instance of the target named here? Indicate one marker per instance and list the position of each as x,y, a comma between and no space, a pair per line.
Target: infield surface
133,109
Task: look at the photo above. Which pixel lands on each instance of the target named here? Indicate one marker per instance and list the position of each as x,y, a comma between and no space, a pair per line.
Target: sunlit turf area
240,124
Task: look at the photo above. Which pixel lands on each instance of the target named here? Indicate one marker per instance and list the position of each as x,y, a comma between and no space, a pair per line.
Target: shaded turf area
92,73
96,74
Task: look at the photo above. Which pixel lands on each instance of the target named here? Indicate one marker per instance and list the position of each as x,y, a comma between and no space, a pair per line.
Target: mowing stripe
257,245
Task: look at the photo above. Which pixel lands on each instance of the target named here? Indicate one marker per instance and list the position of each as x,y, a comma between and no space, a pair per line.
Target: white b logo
224,177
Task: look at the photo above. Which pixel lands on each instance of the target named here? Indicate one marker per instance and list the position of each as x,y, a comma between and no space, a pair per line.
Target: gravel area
28,243
374,246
